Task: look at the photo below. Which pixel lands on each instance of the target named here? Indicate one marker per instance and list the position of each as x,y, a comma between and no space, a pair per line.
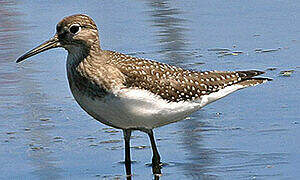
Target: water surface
252,134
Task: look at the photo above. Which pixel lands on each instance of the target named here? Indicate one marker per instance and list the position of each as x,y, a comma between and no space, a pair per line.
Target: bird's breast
80,83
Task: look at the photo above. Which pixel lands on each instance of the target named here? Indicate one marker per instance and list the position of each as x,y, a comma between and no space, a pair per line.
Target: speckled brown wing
173,83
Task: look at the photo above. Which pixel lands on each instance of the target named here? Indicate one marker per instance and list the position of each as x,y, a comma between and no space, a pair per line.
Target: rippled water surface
251,134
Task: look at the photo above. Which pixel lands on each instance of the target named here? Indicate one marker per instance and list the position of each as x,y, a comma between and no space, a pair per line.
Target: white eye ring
75,28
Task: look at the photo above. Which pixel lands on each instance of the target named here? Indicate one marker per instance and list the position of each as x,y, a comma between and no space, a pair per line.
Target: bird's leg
156,164
127,134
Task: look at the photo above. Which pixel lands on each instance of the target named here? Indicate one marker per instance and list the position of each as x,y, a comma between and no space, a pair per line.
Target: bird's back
175,84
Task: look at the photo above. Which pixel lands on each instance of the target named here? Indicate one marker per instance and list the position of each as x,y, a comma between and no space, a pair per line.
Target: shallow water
252,134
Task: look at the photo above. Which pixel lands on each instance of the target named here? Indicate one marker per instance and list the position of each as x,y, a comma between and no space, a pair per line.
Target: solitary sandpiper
131,93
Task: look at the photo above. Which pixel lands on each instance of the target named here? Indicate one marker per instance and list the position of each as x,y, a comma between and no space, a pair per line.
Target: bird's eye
75,28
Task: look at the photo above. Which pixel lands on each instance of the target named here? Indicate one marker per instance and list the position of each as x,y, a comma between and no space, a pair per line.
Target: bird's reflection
170,30
200,158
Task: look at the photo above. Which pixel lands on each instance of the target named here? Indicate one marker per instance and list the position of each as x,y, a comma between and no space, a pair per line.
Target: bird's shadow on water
197,166
200,157
170,29
197,159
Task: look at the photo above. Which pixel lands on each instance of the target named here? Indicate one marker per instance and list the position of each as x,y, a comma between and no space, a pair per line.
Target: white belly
133,108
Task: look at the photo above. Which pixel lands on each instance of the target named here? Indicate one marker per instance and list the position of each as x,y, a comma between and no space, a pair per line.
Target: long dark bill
52,43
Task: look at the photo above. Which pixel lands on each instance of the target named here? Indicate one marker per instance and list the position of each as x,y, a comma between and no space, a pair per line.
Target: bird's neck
79,53
80,58
81,68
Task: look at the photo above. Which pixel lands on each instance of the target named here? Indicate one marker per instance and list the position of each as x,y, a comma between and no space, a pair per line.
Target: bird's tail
248,78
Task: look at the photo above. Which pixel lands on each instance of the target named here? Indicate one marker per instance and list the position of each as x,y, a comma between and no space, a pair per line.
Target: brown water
252,134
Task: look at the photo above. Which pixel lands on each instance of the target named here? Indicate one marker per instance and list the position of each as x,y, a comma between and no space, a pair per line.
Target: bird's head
72,33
